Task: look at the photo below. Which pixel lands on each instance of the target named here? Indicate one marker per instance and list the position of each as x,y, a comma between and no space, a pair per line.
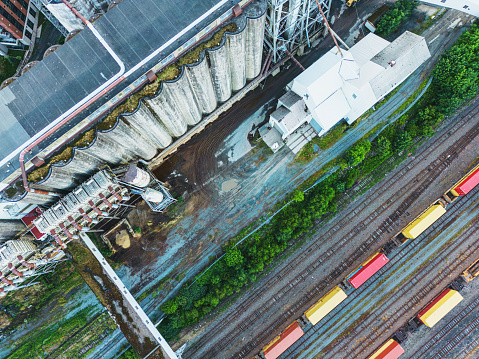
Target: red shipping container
367,270
468,184
283,341
390,350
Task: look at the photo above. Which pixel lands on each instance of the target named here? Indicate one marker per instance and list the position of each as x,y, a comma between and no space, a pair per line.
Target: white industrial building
470,7
342,85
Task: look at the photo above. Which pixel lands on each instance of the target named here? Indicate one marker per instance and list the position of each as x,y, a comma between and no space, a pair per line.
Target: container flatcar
424,221
283,341
367,269
471,272
389,350
325,305
439,307
464,186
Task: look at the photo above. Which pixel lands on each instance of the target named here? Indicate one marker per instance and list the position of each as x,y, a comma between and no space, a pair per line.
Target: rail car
283,341
429,316
389,350
439,307
366,270
324,306
464,186
422,222
471,272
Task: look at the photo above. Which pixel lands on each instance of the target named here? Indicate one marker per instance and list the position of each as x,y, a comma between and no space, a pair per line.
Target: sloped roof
398,48
367,48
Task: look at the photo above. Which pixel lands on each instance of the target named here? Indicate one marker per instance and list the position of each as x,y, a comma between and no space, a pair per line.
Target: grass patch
410,99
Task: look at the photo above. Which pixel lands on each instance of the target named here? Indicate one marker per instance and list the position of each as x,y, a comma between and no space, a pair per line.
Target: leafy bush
395,16
456,74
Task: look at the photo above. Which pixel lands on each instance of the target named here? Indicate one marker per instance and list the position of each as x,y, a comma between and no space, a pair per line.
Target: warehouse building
343,84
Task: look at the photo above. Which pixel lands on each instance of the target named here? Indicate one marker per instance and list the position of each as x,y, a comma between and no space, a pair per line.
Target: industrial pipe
14,270
57,238
25,263
114,193
86,217
5,279
67,232
96,209
329,27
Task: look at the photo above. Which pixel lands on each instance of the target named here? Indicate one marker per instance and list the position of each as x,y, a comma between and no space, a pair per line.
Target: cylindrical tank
167,115
200,80
58,178
128,137
237,59
181,94
82,163
220,72
136,176
152,195
108,150
145,122
254,46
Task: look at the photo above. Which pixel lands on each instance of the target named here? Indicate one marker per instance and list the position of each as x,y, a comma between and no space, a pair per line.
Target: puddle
227,186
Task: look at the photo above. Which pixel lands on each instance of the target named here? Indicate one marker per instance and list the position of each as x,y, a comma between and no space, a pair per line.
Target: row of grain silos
178,105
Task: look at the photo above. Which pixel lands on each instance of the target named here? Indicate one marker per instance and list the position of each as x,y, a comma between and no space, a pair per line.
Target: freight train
428,316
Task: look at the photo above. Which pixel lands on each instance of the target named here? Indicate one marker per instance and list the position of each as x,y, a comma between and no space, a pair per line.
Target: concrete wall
178,104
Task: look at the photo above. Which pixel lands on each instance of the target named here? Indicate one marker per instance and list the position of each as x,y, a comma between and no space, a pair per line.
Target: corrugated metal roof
396,49
390,350
367,48
368,269
283,341
439,307
325,305
289,99
466,185
280,113
421,223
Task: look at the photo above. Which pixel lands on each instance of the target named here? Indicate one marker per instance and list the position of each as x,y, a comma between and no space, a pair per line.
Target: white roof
410,53
332,110
367,48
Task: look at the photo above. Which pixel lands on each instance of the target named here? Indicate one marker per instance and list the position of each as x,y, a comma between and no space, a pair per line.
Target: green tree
358,152
234,257
170,306
401,140
382,147
297,196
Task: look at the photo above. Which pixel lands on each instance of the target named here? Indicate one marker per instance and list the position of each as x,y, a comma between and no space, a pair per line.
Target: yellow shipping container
325,305
421,223
441,308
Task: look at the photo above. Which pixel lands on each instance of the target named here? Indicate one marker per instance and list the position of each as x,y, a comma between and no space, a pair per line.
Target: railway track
344,347
428,175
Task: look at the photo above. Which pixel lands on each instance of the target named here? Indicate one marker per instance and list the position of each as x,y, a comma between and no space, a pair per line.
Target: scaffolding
291,23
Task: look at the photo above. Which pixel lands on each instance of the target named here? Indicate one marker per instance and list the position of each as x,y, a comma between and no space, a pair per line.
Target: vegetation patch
8,66
395,17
